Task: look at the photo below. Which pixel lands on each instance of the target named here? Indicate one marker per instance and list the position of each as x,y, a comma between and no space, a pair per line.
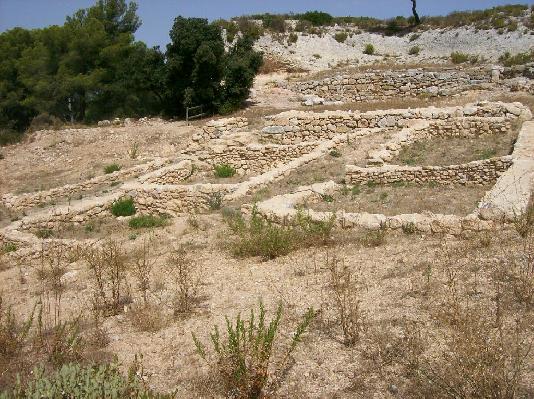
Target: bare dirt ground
54,158
425,302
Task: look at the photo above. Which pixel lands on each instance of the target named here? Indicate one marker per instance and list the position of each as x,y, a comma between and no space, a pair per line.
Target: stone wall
30,200
254,158
216,128
299,126
172,174
180,199
476,172
425,130
380,85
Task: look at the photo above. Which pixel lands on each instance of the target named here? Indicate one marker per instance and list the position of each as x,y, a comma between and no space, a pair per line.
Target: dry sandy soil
403,284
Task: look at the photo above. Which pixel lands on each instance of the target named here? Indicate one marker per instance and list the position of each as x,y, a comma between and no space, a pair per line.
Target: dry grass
456,150
401,197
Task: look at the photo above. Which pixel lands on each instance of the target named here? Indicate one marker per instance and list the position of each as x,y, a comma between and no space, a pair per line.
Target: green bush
335,153
267,240
9,247
341,37
303,26
243,357
111,168
292,38
369,49
147,221
414,37
215,201
459,58
507,59
316,18
415,50
123,207
224,171
275,23
77,381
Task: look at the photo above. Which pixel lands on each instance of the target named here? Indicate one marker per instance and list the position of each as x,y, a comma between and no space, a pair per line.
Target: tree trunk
414,11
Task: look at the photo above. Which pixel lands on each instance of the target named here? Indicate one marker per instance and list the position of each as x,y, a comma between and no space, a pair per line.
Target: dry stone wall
31,200
254,158
380,85
300,126
216,128
472,173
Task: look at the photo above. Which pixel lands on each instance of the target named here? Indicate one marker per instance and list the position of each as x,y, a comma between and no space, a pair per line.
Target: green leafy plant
459,58
112,168
76,381
369,49
267,240
335,153
147,221
409,228
215,201
341,37
224,171
243,357
415,50
123,207
9,247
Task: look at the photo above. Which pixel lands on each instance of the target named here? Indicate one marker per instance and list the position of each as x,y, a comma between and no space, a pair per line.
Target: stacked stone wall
381,85
472,173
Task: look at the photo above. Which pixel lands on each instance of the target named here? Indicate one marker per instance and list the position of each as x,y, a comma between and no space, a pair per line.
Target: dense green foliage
91,68
123,207
224,170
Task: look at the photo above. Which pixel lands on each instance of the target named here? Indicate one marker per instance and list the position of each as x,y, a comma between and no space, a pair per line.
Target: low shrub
76,381
215,201
8,247
292,38
303,26
369,49
415,50
112,168
335,153
341,37
508,60
274,23
9,136
316,18
123,207
147,221
267,240
224,171
459,58
409,228
374,238
108,267
414,37
242,359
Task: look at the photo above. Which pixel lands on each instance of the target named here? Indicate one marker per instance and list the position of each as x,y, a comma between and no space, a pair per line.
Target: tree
194,64
414,11
241,66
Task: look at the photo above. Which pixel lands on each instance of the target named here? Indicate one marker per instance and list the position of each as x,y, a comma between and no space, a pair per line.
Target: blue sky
158,15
